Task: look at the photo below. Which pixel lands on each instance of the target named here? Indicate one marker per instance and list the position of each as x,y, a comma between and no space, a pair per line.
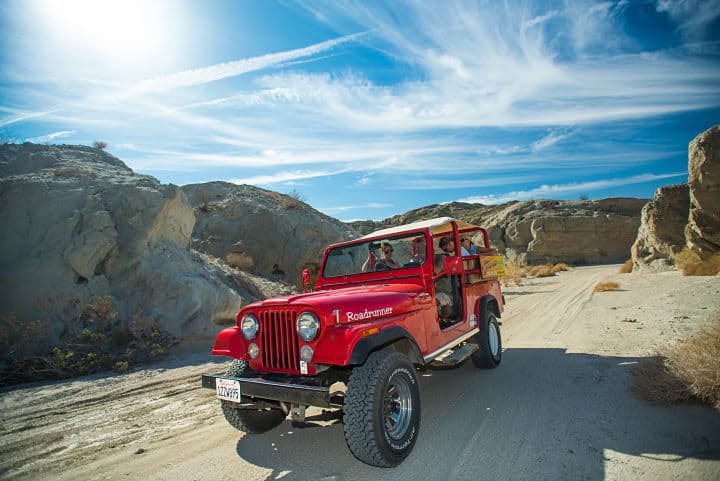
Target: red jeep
383,305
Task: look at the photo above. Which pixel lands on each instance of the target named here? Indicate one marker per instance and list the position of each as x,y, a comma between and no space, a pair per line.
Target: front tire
250,421
382,409
490,353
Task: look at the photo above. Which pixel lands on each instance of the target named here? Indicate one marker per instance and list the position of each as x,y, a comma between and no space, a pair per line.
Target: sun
116,30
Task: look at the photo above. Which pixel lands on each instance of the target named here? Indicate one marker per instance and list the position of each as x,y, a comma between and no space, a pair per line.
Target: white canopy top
439,225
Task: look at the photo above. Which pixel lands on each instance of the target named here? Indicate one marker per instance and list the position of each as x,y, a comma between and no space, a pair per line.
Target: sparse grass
560,267
688,371
99,144
607,286
627,267
290,201
691,264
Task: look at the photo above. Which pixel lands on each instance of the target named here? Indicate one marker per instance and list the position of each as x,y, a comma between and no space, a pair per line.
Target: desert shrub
545,270
99,144
627,267
688,371
560,267
293,200
241,260
102,342
514,268
691,264
606,286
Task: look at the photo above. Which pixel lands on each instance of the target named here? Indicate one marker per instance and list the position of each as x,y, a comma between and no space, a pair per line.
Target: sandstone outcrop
703,228
78,224
662,228
259,231
577,232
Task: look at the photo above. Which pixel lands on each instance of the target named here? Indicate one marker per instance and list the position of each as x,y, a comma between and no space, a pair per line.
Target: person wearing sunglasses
386,262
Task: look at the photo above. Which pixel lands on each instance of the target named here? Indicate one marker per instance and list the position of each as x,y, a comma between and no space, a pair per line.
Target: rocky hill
578,232
82,233
270,234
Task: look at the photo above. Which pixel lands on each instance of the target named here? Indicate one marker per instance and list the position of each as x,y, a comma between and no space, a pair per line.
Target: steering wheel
381,266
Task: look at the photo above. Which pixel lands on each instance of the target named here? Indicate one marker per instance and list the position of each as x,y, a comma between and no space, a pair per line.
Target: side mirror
452,265
306,279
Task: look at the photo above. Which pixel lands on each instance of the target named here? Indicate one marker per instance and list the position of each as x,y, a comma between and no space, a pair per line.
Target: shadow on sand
543,414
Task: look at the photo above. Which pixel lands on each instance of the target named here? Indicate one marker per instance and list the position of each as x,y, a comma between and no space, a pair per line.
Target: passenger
467,248
448,245
419,249
386,262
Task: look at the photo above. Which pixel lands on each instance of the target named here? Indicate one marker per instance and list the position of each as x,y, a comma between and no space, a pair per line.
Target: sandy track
557,408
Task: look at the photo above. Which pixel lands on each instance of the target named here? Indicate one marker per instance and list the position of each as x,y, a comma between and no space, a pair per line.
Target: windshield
397,252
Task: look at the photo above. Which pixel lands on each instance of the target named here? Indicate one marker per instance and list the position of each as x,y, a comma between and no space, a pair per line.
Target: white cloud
692,16
50,137
549,191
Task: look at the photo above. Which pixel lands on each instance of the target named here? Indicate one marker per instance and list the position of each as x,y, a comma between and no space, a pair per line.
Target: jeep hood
360,303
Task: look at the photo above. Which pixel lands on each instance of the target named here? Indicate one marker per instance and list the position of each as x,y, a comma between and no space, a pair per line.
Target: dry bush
514,268
101,342
627,267
545,270
99,144
692,265
607,286
689,371
240,260
560,267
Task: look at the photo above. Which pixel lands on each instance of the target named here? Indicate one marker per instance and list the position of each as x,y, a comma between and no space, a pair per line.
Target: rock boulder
662,228
703,229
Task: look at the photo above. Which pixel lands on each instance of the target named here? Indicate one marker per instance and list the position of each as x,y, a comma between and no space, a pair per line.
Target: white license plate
228,389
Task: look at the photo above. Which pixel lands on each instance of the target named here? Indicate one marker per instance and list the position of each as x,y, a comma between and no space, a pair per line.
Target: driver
385,262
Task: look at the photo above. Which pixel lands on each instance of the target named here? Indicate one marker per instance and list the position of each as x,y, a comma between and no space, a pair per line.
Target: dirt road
558,407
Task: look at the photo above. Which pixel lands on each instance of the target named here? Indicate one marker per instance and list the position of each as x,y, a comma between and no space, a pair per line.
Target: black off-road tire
382,409
490,353
251,421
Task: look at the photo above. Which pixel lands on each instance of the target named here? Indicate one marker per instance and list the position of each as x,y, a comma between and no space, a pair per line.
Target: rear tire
251,421
382,409
490,353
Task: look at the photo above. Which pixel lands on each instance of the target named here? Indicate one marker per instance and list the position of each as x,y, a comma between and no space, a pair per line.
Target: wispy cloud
549,140
232,69
50,137
345,208
27,116
284,177
551,191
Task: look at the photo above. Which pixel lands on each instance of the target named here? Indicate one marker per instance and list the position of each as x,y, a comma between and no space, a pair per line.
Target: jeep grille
279,339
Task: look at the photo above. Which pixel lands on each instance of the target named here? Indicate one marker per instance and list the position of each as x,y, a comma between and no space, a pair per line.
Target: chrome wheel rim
397,408
494,339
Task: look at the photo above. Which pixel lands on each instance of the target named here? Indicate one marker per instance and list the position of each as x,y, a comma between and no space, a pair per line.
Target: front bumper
276,390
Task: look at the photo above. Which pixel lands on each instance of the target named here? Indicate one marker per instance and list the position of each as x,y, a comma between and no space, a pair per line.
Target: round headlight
249,326
307,326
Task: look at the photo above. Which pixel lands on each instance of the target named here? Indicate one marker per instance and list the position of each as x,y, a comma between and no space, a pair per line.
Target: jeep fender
230,342
396,336
487,304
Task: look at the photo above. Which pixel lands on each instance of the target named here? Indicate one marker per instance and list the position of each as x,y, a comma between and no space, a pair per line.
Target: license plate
228,389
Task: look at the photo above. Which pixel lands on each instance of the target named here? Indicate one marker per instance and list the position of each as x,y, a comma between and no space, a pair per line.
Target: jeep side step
457,357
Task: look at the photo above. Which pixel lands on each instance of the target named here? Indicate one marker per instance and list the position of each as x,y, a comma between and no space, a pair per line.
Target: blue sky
371,109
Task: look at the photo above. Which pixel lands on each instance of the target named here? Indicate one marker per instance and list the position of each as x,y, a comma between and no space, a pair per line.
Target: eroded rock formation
78,224
703,228
260,231
662,227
